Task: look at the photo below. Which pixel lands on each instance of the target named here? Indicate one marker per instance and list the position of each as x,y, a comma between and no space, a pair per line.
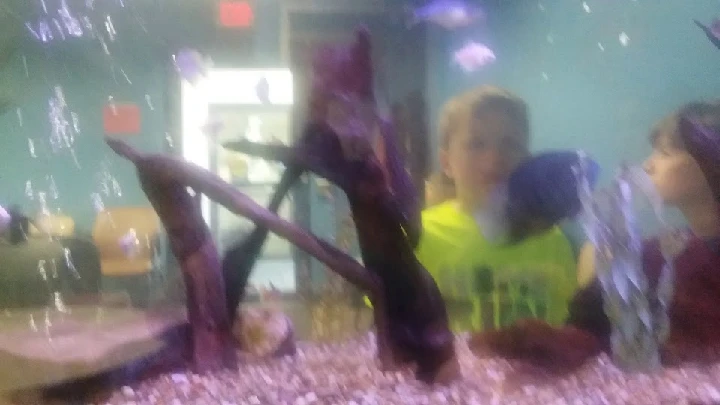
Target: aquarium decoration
337,144
637,310
712,31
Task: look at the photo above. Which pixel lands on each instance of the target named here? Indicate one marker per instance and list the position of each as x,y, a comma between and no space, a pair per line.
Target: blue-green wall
602,101
84,74
148,33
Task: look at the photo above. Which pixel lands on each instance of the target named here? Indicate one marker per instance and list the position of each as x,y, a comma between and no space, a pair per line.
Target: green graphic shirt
500,284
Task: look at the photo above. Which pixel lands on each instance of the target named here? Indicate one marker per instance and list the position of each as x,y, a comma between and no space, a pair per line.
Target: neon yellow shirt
535,278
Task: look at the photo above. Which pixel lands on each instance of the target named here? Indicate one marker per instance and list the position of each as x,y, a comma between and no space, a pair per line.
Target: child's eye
477,143
513,145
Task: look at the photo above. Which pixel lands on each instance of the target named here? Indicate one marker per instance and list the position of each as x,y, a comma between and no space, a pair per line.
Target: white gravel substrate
346,373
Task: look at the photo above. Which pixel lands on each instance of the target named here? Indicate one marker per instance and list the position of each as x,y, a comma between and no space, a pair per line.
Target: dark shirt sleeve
586,312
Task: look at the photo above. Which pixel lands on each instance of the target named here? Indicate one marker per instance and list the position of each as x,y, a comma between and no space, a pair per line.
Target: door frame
226,87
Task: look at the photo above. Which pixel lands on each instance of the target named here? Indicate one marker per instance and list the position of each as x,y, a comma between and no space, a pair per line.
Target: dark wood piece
410,314
212,344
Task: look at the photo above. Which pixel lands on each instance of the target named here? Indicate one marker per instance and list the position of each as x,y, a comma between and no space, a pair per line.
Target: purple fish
450,14
543,191
5,220
712,31
473,56
190,64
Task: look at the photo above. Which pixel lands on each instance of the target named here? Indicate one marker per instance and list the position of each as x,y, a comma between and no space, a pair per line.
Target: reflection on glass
256,178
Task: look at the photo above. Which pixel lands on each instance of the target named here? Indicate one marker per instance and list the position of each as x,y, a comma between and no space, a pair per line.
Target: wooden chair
52,225
122,262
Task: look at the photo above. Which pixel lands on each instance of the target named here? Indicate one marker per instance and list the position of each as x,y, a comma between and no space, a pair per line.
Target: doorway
224,106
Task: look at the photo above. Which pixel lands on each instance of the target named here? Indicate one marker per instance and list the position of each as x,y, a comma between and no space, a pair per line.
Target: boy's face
484,152
675,173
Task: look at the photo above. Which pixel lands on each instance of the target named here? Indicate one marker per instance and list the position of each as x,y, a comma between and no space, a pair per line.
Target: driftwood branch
281,153
307,156
410,315
241,257
172,169
212,343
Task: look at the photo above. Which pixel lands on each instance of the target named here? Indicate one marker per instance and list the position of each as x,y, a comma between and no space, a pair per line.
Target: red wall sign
236,14
121,119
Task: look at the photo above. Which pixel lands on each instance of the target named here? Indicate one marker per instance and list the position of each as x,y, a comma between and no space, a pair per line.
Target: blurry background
596,74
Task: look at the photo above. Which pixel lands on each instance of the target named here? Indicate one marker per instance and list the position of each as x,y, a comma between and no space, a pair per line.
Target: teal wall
602,101
148,33
84,74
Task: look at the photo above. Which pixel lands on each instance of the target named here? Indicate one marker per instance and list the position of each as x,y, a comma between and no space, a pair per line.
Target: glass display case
230,104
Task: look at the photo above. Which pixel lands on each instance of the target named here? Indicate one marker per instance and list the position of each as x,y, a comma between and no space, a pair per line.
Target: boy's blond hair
458,111
456,115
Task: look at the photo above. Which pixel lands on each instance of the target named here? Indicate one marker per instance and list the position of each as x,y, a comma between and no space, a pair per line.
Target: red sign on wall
121,119
235,14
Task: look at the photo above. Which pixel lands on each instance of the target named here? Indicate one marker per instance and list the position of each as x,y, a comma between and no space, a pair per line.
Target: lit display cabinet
231,104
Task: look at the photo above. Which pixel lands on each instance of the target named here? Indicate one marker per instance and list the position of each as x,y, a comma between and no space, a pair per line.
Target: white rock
439,398
127,391
311,397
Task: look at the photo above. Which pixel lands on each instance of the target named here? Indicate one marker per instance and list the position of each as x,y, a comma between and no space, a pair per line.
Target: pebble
310,397
179,378
713,392
127,391
439,398
347,373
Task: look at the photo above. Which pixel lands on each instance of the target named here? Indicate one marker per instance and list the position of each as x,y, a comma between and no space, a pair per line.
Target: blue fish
544,190
712,32
450,14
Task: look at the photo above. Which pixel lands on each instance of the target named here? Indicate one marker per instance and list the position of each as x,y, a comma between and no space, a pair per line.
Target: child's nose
647,165
495,158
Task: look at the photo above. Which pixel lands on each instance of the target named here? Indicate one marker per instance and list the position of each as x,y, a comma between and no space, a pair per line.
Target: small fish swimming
473,56
262,90
190,64
130,244
449,14
712,31
5,220
544,191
